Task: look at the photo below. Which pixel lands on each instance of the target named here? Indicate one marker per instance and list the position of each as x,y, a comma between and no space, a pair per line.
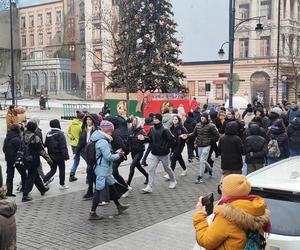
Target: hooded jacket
257,145
7,225
135,145
231,148
294,133
11,145
56,144
292,113
103,151
179,143
282,139
167,120
74,131
231,223
190,124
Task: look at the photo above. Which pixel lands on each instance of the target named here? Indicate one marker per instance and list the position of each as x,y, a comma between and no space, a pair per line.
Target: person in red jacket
194,104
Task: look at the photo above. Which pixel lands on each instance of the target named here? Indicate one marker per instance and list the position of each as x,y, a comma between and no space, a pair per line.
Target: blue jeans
75,162
294,152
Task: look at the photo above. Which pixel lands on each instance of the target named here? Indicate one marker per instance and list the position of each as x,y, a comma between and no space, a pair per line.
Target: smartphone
208,202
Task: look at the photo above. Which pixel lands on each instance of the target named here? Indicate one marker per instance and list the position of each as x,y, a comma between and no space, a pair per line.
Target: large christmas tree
148,51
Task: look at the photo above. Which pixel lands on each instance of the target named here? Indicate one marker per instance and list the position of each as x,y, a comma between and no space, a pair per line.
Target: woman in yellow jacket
236,213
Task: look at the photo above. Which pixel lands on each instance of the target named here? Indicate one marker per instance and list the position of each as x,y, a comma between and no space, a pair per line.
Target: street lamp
232,29
221,52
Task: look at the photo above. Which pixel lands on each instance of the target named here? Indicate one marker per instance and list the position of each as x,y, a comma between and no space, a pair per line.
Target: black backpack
24,158
90,153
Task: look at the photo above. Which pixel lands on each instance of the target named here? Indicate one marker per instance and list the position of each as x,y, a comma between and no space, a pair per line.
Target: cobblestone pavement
60,222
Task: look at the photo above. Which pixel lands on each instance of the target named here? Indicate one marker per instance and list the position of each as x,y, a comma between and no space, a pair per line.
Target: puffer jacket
231,148
57,145
7,225
190,124
292,113
205,134
11,145
282,139
294,133
74,132
231,223
105,157
135,145
257,145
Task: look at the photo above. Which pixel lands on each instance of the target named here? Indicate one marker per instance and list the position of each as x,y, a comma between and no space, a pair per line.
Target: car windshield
284,208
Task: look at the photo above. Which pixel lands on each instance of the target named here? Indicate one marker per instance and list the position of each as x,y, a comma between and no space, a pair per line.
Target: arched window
81,11
26,82
43,81
53,81
34,80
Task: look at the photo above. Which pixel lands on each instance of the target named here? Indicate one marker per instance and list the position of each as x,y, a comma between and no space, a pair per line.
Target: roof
48,2
283,175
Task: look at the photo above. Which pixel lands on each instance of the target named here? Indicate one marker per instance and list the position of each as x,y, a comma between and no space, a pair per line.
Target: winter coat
123,126
74,132
231,223
190,124
105,160
262,132
231,148
36,149
282,139
135,145
11,145
176,132
292,113
205,134
161,140
7,225
11,118
256,144
57,145
294,133
248,118
197,115
167,120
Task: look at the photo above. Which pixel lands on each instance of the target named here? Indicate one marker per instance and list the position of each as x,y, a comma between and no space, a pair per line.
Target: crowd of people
256,137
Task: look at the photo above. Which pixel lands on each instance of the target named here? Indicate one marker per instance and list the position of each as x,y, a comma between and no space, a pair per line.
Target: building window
58,17
58,37
283,44
71,27
265,49
219,91
97,59
81,12
24,41
40,38
49,18
53,81
96,34
23,22
266,8
298,46
26,81
244,11
49,38
201,88
31,21
31,40
40,19
292,9
244,47
24,55
291,45
82,34
70,5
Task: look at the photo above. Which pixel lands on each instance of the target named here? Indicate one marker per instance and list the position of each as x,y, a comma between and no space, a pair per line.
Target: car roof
283,175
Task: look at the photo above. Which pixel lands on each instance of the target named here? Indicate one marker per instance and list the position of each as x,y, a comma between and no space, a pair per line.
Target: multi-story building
255,56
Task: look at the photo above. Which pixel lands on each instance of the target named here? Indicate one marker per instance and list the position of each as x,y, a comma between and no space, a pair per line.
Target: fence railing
70,110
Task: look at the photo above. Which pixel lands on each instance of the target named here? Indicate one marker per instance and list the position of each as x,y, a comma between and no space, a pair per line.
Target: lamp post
232,29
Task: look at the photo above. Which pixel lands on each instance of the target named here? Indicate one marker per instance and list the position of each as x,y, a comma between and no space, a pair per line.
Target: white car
279,185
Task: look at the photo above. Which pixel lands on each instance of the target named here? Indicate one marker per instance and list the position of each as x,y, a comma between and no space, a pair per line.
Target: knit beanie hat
158,116
31,126
235,185
55,124
277,110
79,114
106,126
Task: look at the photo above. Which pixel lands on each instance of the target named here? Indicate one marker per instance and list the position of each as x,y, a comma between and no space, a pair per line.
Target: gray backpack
273,149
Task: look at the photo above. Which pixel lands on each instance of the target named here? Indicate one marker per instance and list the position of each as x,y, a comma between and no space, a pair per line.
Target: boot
94,216
26,198
121,208
45,190
72,177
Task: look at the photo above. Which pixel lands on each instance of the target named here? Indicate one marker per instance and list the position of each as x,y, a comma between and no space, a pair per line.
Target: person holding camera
236,216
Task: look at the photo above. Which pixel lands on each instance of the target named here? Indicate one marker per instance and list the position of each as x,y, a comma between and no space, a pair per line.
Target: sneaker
72,178
173,184
63,187
87,197
147,190
121,208
94,216
199,180
128,192
144,164
184,173
45,191
10,195
26,198
167,177
103,203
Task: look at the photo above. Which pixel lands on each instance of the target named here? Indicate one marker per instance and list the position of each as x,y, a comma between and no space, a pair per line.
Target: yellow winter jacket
74,132
231,222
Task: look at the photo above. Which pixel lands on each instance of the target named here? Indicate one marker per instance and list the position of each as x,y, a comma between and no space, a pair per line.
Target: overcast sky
203,26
